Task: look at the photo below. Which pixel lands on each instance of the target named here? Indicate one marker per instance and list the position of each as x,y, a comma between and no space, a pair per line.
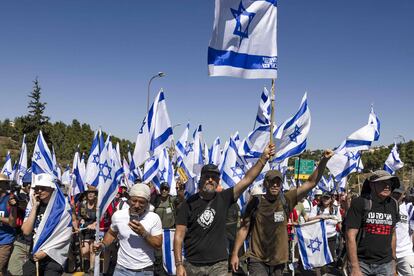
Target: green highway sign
306,166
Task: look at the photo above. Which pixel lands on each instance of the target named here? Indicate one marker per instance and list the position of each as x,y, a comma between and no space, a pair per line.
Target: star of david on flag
92,165
243,43
42,160
7,167
313,244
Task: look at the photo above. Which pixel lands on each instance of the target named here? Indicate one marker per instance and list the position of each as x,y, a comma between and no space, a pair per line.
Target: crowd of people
367,234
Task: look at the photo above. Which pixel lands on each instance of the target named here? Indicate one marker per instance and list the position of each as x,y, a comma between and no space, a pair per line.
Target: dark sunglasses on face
215,177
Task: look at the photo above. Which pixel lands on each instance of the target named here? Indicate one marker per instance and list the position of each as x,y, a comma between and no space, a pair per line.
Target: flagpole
37,268
272,110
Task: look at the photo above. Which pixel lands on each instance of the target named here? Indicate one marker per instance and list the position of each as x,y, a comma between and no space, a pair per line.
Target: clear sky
94,60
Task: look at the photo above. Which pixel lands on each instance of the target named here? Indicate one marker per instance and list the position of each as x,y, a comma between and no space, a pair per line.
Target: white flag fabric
363,137
92,166
313,244
393,161
290,137
254,144
243,43
142,144
326,184
55,229
66,175
264,110
344,162
7,167
233,170
215,152
22,165
182,143
42,160
78,180
160,127
168,251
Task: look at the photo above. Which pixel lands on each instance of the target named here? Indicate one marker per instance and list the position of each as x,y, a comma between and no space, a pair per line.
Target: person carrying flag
50,222
201,221
265,219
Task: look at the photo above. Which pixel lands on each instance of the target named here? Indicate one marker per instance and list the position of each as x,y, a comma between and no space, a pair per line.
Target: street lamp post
159,75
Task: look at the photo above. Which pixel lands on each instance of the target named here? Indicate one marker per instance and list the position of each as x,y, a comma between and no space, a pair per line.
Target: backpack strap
285,204
367,206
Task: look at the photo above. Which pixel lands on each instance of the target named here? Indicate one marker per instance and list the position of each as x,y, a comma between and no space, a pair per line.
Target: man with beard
265,219
139,232
201,220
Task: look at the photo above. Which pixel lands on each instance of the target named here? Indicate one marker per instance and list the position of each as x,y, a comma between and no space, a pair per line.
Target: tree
35,120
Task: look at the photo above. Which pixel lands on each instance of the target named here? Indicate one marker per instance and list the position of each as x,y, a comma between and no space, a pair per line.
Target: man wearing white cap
139,233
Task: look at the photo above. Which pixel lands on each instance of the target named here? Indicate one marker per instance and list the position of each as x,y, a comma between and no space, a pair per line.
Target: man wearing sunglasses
201,221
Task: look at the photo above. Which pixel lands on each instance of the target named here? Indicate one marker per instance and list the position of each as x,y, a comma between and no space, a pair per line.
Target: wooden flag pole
272,111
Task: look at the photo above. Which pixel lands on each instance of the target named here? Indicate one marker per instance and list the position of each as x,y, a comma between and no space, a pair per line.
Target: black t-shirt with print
375,245
205,240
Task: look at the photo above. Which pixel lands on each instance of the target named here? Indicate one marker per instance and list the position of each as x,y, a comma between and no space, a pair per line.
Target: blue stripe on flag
388,169
161,139
36,168
357,143
167,250
328,258
294,151
230,58
298,114
302,248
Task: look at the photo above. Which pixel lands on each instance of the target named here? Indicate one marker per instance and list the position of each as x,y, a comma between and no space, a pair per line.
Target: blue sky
94,60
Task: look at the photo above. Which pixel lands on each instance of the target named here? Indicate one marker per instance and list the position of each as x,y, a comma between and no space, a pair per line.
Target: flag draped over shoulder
55,229
313,244
393,161
243,43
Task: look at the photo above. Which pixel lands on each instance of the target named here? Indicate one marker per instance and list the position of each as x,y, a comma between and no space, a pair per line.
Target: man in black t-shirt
370,227
201,221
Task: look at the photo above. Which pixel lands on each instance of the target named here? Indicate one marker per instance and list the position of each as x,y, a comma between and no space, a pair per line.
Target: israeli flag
165,173
42,160
264,110
326,184
290,137
160,128
129,154
288,183
109,178
142,144
363,137
194,159
7,167
56,168
190,185
254,144
280,166
313,244
92,166
55,229
344,162
22,165
151,168
168,251
393,161
78,178
129,177
243,43
233,170
182,143
215,152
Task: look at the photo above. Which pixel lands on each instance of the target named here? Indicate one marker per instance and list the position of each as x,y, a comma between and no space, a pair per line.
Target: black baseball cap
210,169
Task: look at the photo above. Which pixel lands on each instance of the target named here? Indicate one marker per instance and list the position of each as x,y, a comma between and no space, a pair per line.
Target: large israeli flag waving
7,167
55,229
393,161
42,160
344,162
363,137
243,43
290,137
313,244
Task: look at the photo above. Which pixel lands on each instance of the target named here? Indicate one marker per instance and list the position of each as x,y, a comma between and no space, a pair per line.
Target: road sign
306,167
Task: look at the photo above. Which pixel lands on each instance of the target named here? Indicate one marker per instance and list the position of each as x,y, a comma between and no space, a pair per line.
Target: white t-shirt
330,223
404,241
134,252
